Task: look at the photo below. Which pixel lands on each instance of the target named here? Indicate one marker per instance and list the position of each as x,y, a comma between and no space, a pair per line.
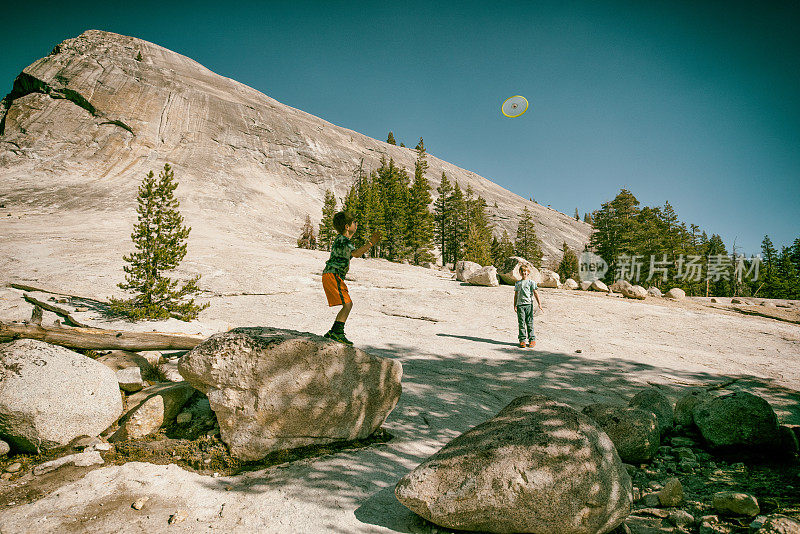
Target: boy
336,268
523,305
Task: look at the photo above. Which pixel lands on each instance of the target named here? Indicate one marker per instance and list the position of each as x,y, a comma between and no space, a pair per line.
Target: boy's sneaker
338,337
532,343
522,344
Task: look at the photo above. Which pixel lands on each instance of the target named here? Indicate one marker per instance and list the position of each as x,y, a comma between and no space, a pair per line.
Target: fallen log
71,321
98,338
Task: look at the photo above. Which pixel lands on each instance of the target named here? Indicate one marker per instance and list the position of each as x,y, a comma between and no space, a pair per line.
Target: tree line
650,245
400,205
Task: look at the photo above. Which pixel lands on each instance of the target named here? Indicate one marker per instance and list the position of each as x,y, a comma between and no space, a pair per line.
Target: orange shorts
335,289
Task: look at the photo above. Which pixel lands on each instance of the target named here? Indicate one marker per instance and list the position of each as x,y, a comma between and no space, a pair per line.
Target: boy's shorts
335,289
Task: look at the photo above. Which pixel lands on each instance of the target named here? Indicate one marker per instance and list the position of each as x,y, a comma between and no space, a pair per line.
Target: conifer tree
327,233
160,239
477,247
392,183
457,225
577,215
526,244
503,250
569,266
419,220
307,238
587,218
390,139
442,215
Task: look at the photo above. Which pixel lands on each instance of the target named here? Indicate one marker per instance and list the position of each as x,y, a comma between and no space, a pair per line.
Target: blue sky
697,103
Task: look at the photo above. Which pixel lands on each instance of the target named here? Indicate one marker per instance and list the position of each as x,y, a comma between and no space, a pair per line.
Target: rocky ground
457,344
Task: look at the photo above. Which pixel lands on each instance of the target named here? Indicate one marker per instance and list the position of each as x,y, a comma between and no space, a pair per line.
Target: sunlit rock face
537,466
82,126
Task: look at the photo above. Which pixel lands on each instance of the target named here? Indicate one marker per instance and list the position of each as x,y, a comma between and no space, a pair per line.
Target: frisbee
514,106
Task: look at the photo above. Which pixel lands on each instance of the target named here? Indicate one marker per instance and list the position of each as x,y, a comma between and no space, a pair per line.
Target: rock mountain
82,126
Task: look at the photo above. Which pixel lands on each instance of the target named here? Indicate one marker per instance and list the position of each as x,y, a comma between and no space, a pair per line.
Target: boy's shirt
525,289
339,262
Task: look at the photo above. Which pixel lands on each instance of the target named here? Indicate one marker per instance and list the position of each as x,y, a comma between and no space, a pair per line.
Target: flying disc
514,106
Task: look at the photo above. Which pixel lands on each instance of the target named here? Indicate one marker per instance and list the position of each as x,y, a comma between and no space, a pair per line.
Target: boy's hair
524,269
342,219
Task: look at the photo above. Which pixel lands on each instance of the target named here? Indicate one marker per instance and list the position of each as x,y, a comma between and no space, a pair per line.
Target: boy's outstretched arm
376,236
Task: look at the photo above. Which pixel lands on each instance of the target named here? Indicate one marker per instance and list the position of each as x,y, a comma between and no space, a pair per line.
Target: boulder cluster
266,389
642,467
472,273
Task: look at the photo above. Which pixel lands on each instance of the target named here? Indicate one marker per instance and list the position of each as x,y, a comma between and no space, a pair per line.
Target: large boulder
570,284
740,419
653,400
586,285
510,274
620,286
465,269
537,466
676,293
686,404
629,290
485,276
598,285
277,389
654,292
117,360
633,431
49,395
550,278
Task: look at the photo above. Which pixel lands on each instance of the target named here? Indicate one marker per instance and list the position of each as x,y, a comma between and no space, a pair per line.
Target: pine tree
442,215
390,139
419,220
577,215
392,185
503,250
526,244
160,239
477,247
327,233
307,238
458,225
587,218
569,266
139,56
769,256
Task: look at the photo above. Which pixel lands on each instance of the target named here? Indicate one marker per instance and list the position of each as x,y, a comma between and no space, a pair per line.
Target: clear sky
695,102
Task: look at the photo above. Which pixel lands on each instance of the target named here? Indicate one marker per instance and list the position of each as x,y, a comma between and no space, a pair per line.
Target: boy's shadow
481,340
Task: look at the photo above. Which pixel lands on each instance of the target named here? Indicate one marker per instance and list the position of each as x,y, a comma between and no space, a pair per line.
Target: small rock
5,448
651,500
685,453
81,309
84,442
139,503
13,468
655,512
102,446
736,503
178,516
681,518
6,476
130,379
672,494
710,525
183,418
676,293
713,301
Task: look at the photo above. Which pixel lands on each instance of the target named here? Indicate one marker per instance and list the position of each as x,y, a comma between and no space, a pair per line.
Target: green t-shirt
339,262
525,289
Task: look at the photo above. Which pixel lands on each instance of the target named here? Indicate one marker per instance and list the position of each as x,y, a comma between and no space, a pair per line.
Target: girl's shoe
522,344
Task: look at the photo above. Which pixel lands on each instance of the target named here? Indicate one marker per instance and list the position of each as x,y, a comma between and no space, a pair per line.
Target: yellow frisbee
514,106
